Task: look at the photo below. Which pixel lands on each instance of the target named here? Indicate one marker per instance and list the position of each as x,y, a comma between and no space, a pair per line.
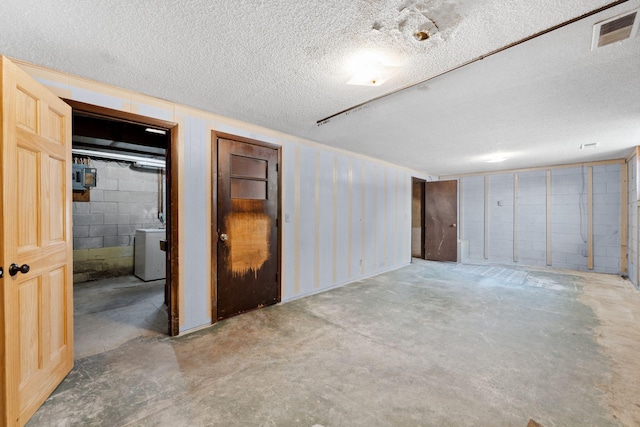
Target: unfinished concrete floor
431,344
109,312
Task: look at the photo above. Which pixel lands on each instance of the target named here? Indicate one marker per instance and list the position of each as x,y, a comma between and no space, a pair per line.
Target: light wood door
36,320
247,262
441,217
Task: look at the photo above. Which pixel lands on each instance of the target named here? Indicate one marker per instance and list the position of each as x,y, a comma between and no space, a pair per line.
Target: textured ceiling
282,64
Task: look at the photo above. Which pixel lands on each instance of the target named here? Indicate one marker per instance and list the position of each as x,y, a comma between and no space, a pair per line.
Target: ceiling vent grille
615,29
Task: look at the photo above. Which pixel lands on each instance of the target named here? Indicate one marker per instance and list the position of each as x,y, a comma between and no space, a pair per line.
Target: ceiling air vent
615,29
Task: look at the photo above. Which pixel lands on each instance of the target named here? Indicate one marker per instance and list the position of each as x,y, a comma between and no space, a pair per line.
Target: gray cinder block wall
124,199
569,217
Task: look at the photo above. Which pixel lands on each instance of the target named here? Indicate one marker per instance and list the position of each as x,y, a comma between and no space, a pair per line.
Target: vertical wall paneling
327,201
195,262
636,163
356,221
350,225
632,220
486,217
385,221
515,216
316,226
307,242
334,276
296,222
336,210
181,178
343,222
590,218
548,219
406,218
364,220
375,218
624,220
396,212
208,215
461,208
288,223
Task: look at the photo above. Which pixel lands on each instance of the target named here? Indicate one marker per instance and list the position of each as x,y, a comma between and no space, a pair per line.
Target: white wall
632,179
525,241
346,216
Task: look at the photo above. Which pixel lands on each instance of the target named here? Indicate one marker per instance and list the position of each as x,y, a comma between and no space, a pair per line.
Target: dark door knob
15,269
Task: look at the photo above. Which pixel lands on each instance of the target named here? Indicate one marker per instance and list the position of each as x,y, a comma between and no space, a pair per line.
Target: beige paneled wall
346,216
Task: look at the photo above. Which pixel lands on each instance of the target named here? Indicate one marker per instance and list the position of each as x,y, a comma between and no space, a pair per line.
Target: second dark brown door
441,213
247,261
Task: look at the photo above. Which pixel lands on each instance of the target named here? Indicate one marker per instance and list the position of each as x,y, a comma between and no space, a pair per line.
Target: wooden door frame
172,174
215,135
423,242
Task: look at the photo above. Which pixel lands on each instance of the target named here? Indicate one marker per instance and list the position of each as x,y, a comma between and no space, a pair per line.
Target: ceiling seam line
476,59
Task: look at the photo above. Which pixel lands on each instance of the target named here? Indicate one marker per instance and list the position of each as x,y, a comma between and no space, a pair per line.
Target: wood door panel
57,319
54,183
27,201
29,296
441,213
247,262
37,324
54,129
26,110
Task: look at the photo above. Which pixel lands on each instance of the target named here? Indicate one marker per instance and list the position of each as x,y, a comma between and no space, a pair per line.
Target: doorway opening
417,218
125,227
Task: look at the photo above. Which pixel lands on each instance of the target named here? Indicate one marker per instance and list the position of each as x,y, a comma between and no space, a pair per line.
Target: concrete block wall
525,242
532,218
124,200
569,218
501,217
471,209
606,218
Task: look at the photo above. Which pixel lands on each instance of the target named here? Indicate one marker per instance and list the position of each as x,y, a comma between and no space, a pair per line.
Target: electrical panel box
83,177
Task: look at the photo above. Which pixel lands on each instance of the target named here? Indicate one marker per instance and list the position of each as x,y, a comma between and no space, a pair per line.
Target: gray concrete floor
431,344
110,312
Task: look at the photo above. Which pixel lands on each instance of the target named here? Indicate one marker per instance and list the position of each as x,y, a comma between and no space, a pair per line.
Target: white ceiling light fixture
590,145
496,159
158,131
370,68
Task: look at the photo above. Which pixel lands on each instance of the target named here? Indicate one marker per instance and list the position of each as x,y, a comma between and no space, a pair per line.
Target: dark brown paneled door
247,228
441,216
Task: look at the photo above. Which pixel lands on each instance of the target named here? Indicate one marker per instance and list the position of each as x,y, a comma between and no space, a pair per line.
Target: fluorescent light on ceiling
146,161
158,131
591,145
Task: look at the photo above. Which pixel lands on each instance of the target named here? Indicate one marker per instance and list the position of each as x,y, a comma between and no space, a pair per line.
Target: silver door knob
224,237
